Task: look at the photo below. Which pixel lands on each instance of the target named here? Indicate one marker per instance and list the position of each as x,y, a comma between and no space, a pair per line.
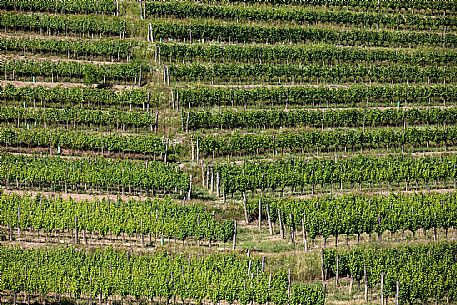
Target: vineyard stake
270,228
218,191
190,187
365,279
234,237
212,180
281,227
260,213
305,242
337,271
322,262
19,222
245,208
76,230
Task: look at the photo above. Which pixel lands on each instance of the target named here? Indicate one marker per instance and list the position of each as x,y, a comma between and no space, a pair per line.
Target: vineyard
228,152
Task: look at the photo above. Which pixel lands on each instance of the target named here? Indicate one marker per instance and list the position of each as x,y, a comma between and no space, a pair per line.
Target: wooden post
207,177
337,271
141,10
212,180
218,182
292,229
193,151
18,221
365,279
156,127
260,213
245,203
150,40
263,264
323,268
305,242
187,124
234,237
198,151
190,187
281,227
270,227
203,172
140,76
76,230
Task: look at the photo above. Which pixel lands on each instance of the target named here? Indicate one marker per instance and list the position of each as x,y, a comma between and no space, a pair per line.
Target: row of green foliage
303,175
311,96
76,116
61,6
86,141
425,273
329,118
413,6
104,48
97,173
329,140
158,217
74,71
363,214
305,53
299,15
213,277
314,73
65,24
84,97
209,30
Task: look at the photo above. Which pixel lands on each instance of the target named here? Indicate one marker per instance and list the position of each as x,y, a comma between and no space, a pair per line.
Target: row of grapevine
425,273
87,141
115,49
314,73
79,96
303,175
96,173
329,118
65,24
74,71
61,6
329,140
311,96
159,217
299,15
236,32
76,117
414,5
357,214
308,53
242,144
90,273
